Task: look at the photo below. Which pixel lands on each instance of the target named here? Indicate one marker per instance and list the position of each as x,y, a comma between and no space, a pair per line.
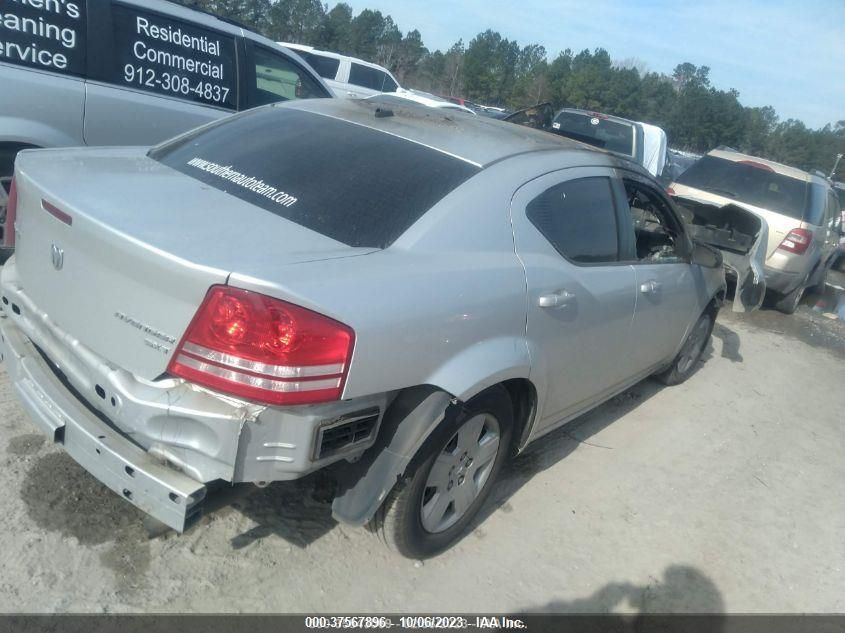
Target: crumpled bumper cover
162,492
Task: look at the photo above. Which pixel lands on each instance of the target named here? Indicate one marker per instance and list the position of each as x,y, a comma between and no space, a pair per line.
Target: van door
43,48
156,76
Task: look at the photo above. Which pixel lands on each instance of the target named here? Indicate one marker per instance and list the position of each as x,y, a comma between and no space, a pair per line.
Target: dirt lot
721,494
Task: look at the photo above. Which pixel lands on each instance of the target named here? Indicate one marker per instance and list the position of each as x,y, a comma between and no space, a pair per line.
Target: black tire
691,351
840,264
789,302
399,521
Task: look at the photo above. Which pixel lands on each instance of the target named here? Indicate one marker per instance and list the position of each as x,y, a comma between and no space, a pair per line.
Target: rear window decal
247,182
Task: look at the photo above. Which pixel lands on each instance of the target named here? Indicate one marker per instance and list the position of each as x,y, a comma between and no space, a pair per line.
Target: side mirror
705,256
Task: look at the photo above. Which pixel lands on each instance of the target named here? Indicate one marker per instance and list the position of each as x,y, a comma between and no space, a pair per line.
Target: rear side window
166,56
753,183
326,67
348,182
372,78
278,78
47,35
578,218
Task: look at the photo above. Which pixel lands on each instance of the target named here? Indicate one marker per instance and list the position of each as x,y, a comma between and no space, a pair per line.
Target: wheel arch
411,418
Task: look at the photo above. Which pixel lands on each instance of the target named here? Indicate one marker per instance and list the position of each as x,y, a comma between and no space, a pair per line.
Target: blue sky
790,55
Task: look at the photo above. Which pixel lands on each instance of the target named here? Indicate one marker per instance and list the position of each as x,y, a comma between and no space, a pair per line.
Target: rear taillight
11,215
670,191
255,347
797,241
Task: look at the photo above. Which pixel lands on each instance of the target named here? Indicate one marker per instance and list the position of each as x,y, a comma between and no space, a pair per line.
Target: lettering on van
159,54
45,34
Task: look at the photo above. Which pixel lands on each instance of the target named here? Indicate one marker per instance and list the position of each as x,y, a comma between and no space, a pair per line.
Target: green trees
494,70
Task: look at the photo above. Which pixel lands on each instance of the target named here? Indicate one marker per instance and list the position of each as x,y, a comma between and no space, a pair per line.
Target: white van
347,76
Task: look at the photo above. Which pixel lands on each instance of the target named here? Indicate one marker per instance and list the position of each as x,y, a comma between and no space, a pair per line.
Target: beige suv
801,209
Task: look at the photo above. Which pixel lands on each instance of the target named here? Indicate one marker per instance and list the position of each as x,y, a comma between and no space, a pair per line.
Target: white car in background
348,77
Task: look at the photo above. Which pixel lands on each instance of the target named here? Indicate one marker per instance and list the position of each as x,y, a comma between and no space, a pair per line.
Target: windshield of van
597,131
752,183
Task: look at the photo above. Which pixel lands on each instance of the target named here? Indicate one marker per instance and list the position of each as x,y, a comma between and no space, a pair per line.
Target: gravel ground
720,494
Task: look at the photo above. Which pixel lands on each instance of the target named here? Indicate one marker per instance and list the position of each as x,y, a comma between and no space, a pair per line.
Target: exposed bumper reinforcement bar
162,492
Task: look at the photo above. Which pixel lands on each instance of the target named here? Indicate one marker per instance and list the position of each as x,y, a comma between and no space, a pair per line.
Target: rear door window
578,218
372,78
326,67
161,54
348,182
46,35
279,78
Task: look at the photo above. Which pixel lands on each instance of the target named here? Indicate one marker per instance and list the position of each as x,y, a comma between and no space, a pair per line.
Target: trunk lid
120,250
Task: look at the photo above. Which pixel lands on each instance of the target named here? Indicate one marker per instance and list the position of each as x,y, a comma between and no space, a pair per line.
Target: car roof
477,140
780,168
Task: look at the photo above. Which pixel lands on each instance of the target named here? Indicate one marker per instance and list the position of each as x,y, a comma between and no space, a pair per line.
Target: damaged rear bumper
158,443
166,494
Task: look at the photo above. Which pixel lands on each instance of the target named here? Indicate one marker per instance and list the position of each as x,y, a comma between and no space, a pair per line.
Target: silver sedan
404,296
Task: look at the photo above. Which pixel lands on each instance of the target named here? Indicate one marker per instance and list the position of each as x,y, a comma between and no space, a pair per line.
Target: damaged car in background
273,294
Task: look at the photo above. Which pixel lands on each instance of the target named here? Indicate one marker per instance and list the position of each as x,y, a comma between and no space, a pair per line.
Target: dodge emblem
58,257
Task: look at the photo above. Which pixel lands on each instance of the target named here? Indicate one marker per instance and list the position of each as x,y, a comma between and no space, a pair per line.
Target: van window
278,78
326,67
371,78
44,35
161,54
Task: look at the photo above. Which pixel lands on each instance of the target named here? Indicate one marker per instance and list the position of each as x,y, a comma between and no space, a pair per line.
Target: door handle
557,299
650,287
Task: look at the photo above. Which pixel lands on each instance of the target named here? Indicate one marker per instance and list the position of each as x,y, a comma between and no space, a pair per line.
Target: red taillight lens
670,191
797,241
11,215
259,348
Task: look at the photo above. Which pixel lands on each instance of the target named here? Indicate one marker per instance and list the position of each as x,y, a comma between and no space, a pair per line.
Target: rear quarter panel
445,305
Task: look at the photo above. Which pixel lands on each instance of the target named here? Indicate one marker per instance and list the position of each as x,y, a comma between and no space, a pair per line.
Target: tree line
494,70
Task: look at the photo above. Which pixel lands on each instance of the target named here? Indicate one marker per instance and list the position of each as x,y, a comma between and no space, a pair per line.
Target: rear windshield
348,182
599,132
749,183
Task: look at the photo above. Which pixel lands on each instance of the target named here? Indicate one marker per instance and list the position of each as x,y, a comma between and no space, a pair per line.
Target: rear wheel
433,507
691,351
789,302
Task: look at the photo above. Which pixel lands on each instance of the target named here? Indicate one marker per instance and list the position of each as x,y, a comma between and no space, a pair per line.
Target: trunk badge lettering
58,257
